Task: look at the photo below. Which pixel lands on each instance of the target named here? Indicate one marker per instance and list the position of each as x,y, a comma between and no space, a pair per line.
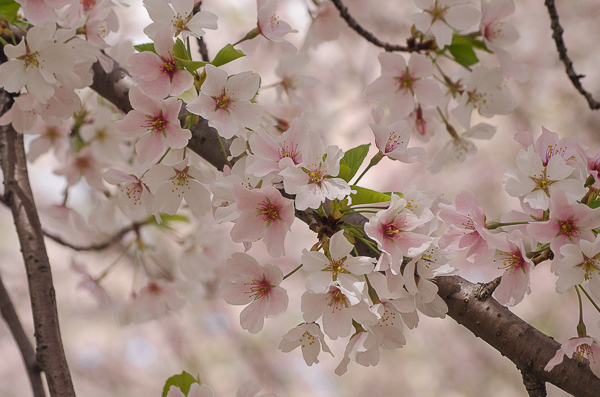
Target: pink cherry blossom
310,337
134,195
270,151
313,181
157,122
271,27
493,31
579,348
568,224
511,255
265,214
153,301
466,228
392,141
225,102
398,83
101,134
392,229
179,18
160,76
245,281
55,137
83,164
442,16
291,80
357,351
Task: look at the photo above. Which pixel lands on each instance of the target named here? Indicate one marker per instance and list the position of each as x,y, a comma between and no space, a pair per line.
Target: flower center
338,300
223,102
568,227
169,66
316,176
268,211
393,142
156,123
390,231
260,288
307,339
590,266
405,82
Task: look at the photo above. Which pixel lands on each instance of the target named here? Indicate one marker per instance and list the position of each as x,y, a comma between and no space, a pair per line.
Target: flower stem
590,298
581,331
376,159
249,36
223,150
292,272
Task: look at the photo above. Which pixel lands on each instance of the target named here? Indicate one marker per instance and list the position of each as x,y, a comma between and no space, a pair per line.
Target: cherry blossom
392,141
271,27
579,348
579,263
493,31
196,390
568,224
157,122
55,137
392,229
310,338
83,164
313,180
442,16
160,76
101,135
179,18
245,281
398,83
288,71
36,62
134,195
153,301
357,351
172,183
466,228
511,255
225,102
338,266
264,213
39,11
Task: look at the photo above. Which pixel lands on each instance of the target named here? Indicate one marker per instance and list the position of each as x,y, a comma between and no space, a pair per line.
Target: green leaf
345,171
179,51
226,55
471,40
594,204
184,381
463,54
9,9
191,66
143,47
367,196
353,159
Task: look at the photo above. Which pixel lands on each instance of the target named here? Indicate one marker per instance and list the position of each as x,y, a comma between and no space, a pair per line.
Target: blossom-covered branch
557,32
18,195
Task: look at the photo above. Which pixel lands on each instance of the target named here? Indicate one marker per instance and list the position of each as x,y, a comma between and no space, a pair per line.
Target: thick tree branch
557,32
12,320
514,338
412,44
18,195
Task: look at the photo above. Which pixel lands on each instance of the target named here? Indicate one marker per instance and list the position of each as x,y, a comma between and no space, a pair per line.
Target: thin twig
92,247
557,32
201,43
412,46
12,320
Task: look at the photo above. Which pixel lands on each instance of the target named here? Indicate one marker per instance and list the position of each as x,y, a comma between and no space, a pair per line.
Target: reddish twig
92,247
557,32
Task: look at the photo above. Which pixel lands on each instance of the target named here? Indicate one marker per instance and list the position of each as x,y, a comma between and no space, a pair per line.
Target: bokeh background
441,358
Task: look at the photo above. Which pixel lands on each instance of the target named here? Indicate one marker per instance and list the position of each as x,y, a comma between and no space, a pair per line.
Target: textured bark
18,196
514,338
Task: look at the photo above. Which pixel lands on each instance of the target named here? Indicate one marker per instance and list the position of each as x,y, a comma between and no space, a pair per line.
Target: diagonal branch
514,338
12,320
557,32
412,46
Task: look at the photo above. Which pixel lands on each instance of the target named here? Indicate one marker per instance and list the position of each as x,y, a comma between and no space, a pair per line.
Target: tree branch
412,46
514,338
12,320
18,195
557,32
92,247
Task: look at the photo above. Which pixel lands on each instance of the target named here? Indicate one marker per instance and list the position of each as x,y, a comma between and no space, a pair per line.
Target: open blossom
271,27
265,214
579,263
313,181
83,164
153,301
392,229
36,62
160,76
102,135
157,122
399,83
442,16
172,183
358,350
179,18
568,224
291,80
134,196
225,102
466,228
340,266
245,281
586,346
493,31
511,256
309,337
486,91
271,151
392,140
